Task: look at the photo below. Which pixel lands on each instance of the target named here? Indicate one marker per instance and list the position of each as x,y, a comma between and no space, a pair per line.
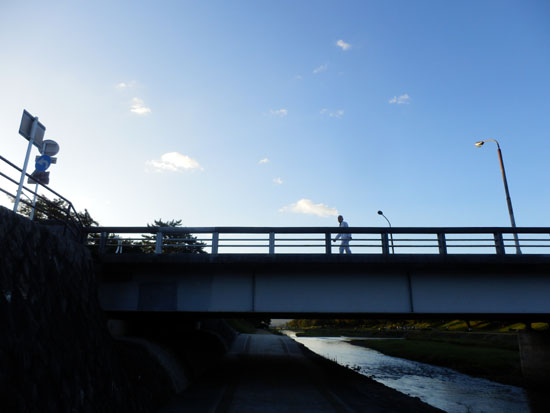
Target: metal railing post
328,247
499,243
215,241
102,242
385,244
442,243
158,244
271,243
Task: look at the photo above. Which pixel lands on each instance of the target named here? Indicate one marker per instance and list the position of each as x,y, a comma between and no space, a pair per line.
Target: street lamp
479,144
391,234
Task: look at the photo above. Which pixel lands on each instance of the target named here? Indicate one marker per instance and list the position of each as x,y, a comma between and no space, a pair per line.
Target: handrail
321,230
441,240
70,213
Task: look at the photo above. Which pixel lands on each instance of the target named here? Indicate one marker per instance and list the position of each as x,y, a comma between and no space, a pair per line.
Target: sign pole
34,202
36,189
22,181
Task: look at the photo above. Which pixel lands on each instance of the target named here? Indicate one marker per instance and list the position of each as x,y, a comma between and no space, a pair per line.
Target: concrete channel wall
56,352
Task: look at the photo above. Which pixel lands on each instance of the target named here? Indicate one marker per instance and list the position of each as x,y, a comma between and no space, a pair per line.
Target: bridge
297,272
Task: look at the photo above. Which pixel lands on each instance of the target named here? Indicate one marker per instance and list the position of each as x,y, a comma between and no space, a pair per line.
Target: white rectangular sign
26,126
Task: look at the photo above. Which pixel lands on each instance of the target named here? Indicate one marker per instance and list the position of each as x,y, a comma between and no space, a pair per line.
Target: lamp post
391,234
479,144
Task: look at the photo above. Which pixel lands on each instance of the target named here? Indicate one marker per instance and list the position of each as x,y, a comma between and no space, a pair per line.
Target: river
441,387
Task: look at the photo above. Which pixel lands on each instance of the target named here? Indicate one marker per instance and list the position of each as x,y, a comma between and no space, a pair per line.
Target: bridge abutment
534,349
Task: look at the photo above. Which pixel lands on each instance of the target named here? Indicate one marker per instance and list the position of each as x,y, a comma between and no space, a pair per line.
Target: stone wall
56,354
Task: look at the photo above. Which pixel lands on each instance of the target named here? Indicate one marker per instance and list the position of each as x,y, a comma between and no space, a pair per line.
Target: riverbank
491,356
444,388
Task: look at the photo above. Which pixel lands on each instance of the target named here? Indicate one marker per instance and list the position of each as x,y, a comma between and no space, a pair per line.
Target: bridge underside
318,286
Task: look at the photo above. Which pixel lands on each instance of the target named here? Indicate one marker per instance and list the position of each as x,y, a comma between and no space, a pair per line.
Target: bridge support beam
534,349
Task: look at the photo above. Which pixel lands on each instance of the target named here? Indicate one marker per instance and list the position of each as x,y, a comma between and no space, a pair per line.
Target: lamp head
380,213
479,144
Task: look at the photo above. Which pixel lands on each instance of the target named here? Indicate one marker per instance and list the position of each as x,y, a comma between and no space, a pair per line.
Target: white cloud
125,85
320,69
343,45
265,160
306,206
278,112
173,162
278,181
138,107
400,100
336,114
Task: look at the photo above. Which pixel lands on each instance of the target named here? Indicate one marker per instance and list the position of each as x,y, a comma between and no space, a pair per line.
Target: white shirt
346,236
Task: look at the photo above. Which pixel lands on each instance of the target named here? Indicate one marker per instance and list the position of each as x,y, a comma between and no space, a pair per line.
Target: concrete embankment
56,353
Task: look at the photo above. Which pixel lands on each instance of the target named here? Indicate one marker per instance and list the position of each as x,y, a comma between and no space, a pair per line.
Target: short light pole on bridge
391,234
479,144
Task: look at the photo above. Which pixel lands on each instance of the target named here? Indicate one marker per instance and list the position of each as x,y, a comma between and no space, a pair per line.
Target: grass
507,341
496,363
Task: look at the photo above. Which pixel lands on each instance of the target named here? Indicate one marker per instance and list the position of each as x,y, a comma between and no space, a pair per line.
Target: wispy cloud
265,160
138,107
343,45
320,69
278,112
125,85
278,181
173,162
335,114
400,100
306,206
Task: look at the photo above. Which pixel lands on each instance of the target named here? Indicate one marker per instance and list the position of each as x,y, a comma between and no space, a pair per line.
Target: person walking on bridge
345,237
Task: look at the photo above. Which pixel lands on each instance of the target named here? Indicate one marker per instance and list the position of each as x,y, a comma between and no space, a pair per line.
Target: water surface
441,387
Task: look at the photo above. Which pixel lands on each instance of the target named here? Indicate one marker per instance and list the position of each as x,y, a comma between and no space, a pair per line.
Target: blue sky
285,113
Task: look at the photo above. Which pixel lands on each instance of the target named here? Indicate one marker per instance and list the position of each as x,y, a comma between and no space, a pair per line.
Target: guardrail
320,240
55,212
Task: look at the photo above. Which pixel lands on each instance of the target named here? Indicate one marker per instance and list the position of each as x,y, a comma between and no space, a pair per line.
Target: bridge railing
9,183
319,240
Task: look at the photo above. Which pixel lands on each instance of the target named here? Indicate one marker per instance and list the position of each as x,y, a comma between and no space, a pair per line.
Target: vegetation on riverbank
366,328
481,360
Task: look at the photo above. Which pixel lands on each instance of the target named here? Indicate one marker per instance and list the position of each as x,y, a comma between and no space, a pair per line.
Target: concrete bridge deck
300,285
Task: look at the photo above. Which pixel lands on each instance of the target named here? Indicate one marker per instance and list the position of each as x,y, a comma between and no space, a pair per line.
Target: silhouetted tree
54,209
180,243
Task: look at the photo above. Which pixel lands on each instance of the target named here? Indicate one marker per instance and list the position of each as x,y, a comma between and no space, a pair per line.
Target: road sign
26,127
42,163
39,177
33,131
50,147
